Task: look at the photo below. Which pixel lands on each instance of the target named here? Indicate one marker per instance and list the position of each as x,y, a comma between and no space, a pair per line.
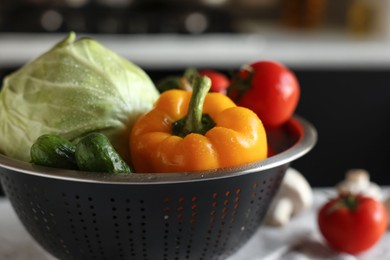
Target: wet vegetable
269,89
352,223
94,153
196,130
219,81
77,87
54,151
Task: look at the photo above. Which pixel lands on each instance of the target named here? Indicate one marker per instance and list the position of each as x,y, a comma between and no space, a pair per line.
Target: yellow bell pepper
189,131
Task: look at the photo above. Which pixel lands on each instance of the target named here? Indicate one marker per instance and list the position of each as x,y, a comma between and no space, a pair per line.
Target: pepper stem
200,88
195,121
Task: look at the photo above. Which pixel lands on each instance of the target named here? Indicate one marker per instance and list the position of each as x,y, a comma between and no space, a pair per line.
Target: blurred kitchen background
339,51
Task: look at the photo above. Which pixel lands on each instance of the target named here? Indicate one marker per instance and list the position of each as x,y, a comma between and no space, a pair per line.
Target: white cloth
301,239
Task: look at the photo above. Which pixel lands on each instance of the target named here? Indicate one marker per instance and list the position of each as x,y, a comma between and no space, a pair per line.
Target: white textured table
300,240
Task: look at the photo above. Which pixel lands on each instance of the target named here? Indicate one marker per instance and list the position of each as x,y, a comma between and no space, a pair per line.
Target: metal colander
200,215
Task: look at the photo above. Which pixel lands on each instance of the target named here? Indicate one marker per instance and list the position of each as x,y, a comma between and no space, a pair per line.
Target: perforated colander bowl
201,215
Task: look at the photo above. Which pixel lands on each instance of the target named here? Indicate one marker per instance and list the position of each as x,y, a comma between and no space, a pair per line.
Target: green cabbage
77,87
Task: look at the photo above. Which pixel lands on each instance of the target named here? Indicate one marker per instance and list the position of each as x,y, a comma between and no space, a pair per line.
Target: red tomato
269,89
352,223
219,81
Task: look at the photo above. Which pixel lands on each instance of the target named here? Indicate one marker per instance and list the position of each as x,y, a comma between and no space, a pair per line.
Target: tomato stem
241,83
187,78
349,201
178,82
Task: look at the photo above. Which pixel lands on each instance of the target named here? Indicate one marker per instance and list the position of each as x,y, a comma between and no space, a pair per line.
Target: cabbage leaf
77,87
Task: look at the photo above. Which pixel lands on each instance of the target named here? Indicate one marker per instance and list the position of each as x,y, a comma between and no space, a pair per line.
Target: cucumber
54,151
94,153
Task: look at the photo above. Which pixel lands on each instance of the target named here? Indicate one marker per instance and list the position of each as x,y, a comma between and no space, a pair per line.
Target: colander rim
305,142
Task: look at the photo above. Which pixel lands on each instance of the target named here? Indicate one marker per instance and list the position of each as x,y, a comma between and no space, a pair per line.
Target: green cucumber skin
54,151
94,153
